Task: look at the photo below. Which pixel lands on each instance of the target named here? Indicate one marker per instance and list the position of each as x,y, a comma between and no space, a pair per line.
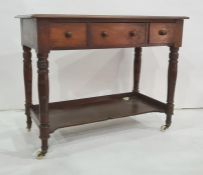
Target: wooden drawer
117,34
162,33
71,35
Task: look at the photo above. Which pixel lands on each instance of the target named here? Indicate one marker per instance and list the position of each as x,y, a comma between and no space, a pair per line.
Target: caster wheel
164,128
40,155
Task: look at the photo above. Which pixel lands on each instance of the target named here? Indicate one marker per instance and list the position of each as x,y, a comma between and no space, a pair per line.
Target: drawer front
71,35
117,34
162,33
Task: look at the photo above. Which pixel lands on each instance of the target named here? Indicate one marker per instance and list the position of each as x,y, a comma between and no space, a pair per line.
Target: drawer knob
163,32
68,34
132,33
104,34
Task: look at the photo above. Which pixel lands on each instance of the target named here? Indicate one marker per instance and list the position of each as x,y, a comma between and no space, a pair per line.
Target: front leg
27,69
172,76
43,91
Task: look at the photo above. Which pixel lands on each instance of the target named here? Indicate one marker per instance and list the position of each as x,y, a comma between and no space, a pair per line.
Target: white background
79,74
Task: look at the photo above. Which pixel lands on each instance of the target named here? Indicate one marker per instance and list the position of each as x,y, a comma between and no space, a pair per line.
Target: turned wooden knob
132,33
163,32
104,34
68,34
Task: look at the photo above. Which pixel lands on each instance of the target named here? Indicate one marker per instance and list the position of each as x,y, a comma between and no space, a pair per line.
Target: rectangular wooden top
112,17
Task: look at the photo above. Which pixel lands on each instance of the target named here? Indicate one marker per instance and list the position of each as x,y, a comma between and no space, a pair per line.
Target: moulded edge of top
72,16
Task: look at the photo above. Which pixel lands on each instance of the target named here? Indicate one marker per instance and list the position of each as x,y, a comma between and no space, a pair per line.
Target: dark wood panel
120,34
82,111
162,33
71,35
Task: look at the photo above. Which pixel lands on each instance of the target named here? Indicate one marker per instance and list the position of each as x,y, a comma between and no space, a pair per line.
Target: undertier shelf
89,110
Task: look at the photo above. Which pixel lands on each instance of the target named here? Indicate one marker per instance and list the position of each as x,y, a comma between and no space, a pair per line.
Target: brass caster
40,155
126,98
164,128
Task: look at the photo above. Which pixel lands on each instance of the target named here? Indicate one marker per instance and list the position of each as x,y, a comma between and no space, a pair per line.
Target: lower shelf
89,110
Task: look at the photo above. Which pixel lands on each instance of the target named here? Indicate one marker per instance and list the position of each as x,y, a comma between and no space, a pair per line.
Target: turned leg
27,68
43,91
172,75
137,68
